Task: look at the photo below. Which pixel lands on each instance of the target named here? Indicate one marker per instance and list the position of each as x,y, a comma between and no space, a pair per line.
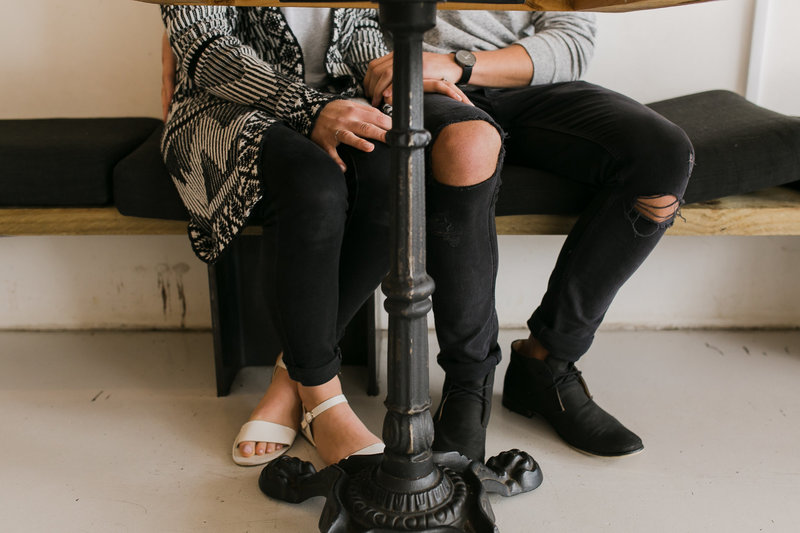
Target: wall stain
180,269
166,274
163,286
712,347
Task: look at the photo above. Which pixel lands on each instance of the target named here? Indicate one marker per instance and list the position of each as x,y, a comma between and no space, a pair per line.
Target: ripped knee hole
660,208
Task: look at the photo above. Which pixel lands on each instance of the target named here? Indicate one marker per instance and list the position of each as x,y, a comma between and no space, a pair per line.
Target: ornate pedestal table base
358,502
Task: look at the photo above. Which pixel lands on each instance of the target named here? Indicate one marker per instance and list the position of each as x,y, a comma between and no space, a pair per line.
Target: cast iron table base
357,502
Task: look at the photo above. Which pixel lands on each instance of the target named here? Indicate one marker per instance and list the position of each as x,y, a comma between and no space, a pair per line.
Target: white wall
100,58
779,84
687,282
79,58
661,53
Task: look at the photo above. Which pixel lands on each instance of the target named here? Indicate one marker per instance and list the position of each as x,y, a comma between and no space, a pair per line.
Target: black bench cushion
739,148
65,162
143,187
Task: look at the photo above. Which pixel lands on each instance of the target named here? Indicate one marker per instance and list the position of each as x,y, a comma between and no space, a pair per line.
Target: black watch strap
466,74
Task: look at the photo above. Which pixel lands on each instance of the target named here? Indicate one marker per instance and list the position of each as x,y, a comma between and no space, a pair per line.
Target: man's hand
168,65
439,74
350,123
506,67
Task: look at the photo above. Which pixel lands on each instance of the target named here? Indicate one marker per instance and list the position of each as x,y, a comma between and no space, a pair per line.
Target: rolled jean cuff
561,346
311,377
470,371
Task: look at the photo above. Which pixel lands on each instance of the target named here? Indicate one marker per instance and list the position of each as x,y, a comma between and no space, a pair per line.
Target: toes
246,449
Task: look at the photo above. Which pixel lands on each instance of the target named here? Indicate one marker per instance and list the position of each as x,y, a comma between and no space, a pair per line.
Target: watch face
465,58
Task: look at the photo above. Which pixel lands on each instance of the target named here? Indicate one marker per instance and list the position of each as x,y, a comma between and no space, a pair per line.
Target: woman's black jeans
624,152
327,244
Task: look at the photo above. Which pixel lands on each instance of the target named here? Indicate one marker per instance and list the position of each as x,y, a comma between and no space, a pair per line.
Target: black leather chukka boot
555,390
462,417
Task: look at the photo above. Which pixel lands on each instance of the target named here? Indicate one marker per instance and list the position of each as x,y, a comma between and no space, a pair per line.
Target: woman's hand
351,123
168,65
439,74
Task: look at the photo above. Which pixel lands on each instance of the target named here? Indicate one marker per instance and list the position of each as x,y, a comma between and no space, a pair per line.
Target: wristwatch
466,60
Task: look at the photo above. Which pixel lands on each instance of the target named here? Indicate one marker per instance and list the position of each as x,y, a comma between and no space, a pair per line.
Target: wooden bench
774,211
733,139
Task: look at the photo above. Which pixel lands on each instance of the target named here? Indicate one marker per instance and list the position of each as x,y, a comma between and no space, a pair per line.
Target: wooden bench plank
82,221
86,221
774,211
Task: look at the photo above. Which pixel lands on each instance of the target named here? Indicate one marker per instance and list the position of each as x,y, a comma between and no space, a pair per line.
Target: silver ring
336,135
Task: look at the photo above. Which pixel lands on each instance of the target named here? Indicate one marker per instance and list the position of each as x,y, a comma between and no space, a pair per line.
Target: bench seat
106,177
773,211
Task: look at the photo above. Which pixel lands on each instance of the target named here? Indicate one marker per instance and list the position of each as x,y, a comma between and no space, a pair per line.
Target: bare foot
338,432
281,405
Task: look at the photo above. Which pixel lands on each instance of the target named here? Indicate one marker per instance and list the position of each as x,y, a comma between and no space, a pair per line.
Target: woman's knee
309,194
466,153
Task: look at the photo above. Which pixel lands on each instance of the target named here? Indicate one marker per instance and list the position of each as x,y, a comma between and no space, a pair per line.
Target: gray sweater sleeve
561,46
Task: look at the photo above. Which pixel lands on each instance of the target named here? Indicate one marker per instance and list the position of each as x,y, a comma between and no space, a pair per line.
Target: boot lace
568,376
457,389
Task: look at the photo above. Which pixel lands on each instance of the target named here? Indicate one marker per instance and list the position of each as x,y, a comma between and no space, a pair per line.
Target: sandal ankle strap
309,416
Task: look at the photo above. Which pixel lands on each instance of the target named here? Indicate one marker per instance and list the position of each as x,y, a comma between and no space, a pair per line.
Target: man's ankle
532,348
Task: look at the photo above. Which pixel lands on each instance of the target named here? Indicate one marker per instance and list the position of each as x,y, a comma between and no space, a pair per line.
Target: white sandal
263,431
309,416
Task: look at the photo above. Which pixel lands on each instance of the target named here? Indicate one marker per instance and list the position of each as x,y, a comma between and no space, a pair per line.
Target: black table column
408,427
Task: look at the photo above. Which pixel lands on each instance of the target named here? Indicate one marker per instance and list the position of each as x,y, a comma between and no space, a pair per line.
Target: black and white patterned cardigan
240,71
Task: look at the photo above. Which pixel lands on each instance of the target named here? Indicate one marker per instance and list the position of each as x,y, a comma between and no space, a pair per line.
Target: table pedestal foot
358,501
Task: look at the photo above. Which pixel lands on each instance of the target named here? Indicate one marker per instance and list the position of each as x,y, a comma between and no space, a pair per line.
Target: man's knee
466,153
665,155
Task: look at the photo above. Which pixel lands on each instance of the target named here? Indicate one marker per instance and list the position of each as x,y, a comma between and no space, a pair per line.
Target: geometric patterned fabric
240,71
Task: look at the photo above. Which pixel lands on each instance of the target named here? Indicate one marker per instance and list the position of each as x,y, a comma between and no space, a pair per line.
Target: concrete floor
107,432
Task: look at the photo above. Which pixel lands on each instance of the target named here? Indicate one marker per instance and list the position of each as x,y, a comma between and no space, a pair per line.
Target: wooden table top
526,5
